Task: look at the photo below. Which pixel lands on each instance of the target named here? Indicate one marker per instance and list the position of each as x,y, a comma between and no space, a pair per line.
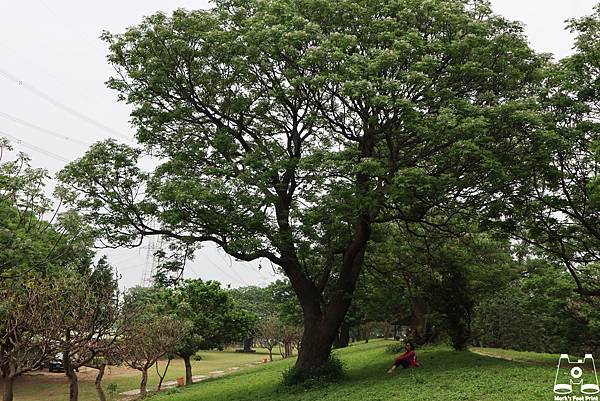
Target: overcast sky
52,74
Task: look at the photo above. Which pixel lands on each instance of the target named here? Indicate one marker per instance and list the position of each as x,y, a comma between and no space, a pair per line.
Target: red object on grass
410,357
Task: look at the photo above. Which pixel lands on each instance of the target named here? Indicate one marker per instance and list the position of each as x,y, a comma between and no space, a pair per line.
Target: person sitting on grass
408,359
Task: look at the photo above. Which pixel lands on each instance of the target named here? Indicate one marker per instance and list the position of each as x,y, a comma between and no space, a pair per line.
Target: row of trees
279,315
473,290
58,300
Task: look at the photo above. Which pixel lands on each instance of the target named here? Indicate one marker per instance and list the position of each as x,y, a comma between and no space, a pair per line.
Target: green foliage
28,242
561,215
112,390
396,348
430,279
332,370
214,317
289,130
278,297
540,313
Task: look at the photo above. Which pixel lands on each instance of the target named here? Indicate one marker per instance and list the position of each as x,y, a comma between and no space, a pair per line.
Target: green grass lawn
521,356
55,387
444,375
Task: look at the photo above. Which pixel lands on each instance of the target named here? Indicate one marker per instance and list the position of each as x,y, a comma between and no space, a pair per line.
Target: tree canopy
287,130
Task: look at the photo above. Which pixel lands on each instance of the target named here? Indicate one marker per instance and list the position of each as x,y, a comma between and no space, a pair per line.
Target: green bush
397,348
331,371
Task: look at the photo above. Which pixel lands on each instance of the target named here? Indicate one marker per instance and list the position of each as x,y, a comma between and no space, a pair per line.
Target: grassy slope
444,375
58,390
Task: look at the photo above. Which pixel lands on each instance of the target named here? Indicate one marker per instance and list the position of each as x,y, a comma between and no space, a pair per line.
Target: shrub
331,371
397,348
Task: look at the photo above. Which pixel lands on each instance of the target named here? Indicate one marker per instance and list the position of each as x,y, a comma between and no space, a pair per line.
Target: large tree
562,217
34,235
287,129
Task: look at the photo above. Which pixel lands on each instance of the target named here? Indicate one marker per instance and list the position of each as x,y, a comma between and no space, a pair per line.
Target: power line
35,148
61,105
42,129
76,33
238,279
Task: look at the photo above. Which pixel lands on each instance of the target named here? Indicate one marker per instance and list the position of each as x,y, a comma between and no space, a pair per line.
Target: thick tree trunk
271,354
8,384
248,345
315,350
144,383
317,339
188,370
98,383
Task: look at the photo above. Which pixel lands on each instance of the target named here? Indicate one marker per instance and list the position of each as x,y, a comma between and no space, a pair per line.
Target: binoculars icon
581,373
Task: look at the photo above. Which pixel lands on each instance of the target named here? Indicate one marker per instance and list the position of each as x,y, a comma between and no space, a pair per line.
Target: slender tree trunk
419,323
71,375
98,382
144,382
8,384
287,349
73,384
188,369
344,338
162,377
271,354
386,330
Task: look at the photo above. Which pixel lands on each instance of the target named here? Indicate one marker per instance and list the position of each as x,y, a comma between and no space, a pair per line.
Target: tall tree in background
287,129
214,319
562,217
35,235
41,261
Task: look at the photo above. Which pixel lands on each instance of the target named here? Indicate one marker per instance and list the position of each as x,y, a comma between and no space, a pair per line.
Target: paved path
195,379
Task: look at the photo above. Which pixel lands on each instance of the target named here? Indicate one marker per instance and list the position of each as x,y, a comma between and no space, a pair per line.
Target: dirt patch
84,375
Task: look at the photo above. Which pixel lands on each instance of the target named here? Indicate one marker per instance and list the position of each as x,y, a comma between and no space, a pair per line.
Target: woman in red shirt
408,359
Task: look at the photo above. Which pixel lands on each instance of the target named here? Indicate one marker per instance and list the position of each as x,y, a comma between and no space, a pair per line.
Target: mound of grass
444,375
332,371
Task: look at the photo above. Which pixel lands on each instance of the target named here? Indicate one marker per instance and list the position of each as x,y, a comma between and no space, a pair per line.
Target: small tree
110,356
214,319
269,332
289,336
149,333
26,337
29,243
161,375
90,322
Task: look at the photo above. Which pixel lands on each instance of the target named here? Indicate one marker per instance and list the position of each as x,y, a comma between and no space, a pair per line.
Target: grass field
54,387
444,375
